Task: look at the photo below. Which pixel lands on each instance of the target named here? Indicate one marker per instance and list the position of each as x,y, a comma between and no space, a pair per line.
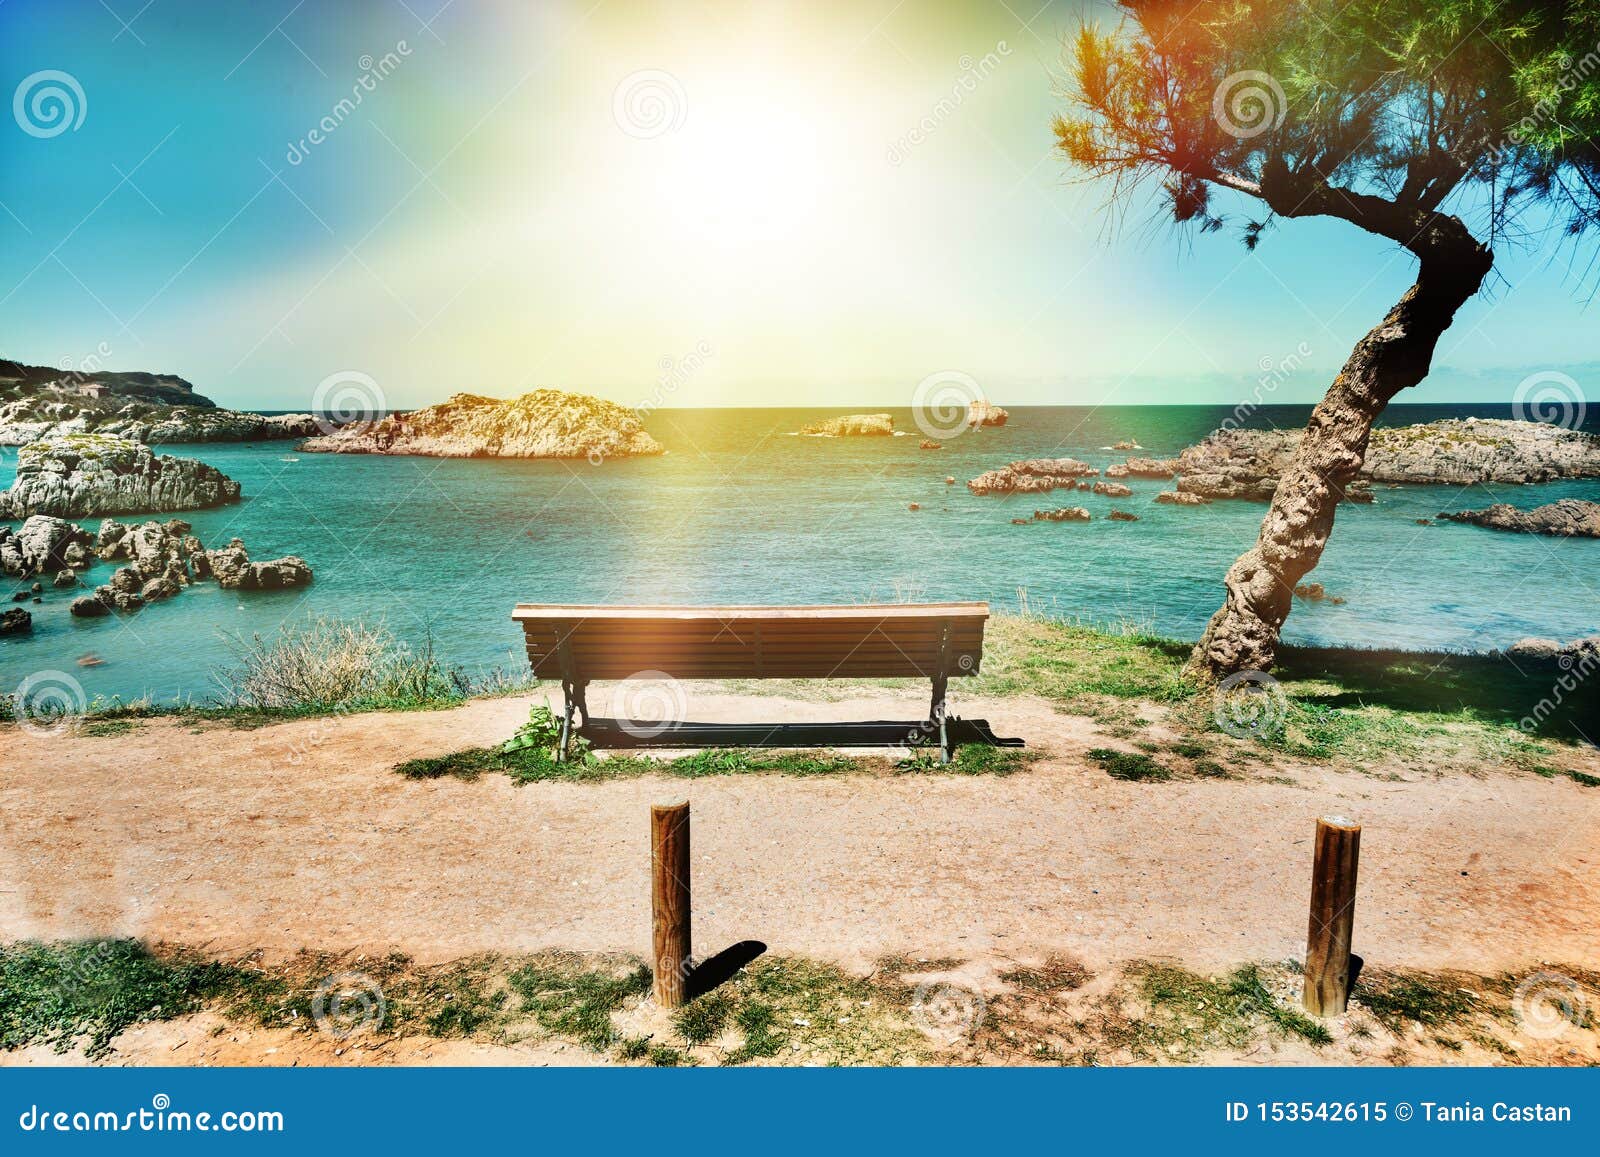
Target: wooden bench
933,641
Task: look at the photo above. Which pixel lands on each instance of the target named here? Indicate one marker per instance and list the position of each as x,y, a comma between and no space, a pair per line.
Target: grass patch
92,990
702,1020
1394,999
1130,765
577,1003
1190,1014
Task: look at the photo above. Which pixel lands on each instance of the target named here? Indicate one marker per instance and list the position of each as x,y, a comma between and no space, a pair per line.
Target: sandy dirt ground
300,835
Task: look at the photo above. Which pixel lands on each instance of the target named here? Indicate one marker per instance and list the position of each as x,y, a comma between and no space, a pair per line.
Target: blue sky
835,202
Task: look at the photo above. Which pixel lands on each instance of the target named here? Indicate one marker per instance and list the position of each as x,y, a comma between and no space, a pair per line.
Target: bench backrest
921,640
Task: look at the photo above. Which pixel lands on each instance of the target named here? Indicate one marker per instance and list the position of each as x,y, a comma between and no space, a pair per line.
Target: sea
743,510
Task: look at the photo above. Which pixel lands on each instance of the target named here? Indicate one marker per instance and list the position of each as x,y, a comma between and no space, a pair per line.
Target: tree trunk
1243,634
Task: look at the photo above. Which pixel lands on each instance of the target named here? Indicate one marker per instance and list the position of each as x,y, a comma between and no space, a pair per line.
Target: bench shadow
627,733
718,969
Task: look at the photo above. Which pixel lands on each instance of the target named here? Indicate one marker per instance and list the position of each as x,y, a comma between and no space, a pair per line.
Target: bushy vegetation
330,664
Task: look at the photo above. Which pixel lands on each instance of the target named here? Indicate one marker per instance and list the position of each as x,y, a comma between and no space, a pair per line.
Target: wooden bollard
669,901
1333,914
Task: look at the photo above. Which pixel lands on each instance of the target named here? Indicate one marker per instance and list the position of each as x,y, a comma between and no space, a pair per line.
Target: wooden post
1333,912
669,901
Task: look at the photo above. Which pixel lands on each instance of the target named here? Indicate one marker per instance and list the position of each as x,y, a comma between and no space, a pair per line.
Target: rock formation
1182,498
1567,518
39,402
982,412
1064,514
83,474
1140,468
1248,463
854,426
43,543
1033,476
159,560
542,424
1122,516
1112,489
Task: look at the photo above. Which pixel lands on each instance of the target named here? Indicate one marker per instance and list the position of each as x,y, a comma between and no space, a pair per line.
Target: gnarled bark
1243,634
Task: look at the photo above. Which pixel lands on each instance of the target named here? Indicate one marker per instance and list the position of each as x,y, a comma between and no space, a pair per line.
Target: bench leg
565,739
580,700
937,717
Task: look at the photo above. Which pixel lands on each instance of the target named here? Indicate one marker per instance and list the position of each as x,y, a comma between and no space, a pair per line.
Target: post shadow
719,969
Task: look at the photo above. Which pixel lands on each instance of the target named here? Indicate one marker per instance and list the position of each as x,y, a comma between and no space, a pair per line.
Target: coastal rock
1567,518
854,426
83,474
89,607
15,621
930,444
43,543
1033,476
982,412
1126,445
1112,489
1142,468
542,424
1122,516
1248,463
1182,498
233,570
161,559
1580,655
1064,514
66,577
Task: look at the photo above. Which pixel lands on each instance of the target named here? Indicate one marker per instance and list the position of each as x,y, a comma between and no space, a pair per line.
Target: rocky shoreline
78,475
541,424
1567,518
1247,464
37,402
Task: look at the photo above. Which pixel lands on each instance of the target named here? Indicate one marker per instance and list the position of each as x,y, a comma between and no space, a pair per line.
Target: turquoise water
739,511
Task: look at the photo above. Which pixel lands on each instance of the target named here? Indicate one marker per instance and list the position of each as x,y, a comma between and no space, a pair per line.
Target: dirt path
300,835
